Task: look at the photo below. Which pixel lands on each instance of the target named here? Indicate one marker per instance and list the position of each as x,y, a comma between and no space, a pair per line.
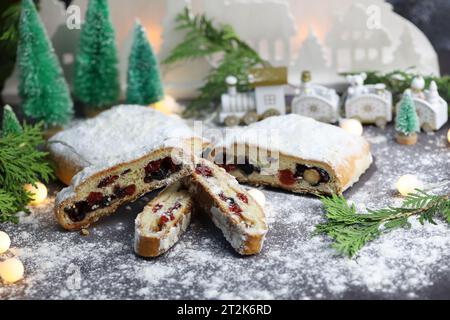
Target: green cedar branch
351,231
21,163
204,39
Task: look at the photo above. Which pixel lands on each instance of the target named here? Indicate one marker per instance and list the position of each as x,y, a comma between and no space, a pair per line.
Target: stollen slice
240,218
162,222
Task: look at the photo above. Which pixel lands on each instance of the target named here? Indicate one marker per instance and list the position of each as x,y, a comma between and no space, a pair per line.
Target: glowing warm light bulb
38,193
5,242
408,184
448,136
11,270
168,106
258,196
352,126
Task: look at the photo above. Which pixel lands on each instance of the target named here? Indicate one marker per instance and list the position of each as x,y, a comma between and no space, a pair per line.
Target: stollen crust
278,146
115,133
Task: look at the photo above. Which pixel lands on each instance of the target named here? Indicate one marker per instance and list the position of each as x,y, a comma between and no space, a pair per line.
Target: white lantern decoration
408,184
352,126
5,242
11,270
38,193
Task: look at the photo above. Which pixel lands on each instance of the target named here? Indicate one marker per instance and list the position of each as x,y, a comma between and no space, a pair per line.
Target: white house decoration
431,108
370,104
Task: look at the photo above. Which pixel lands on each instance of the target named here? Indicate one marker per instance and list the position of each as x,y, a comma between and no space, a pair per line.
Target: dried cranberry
232,205
153,166
130,190
286,177
160,169
223,197
107,181
157,207
243,197
204,171
235,208
94,198
163,220
124,192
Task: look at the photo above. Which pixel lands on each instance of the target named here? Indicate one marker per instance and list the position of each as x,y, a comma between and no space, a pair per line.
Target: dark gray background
432,17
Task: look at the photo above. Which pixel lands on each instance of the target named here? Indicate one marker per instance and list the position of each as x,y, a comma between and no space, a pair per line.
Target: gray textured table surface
293,265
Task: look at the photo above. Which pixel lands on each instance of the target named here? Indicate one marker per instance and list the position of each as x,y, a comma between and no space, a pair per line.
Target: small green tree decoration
44,91
144,80
10,124
96,82
407,121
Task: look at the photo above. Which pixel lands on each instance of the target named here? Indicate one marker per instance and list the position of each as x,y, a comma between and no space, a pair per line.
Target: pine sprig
205,39
20,163
351,230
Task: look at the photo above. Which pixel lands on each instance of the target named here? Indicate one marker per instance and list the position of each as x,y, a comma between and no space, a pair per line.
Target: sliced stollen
115,132
159,226
294,153
232,209
98,191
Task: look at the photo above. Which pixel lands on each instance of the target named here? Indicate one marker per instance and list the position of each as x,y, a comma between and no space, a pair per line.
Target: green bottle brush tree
44,91
96,82
144,85
407,122
10,123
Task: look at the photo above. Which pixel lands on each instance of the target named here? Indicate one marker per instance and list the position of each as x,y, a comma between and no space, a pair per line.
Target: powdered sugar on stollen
301,137
122,133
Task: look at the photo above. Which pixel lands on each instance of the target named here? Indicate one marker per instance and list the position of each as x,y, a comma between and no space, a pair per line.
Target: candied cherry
204,171
243,198
287,177
107,181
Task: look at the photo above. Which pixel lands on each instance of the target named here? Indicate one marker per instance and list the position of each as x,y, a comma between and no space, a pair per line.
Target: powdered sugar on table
293,265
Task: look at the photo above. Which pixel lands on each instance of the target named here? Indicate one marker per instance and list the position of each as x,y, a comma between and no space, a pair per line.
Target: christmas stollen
240,218
98,191
294,153
159,226
118,131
